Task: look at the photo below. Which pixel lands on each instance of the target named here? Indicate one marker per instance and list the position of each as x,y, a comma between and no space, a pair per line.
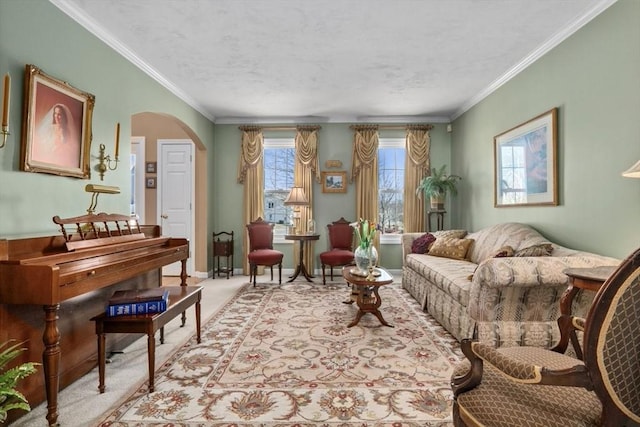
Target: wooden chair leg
324,280
255,273
280,273
332,273
272,273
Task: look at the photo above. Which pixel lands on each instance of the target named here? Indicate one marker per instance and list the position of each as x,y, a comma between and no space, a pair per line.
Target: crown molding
94,28
554,41
333,119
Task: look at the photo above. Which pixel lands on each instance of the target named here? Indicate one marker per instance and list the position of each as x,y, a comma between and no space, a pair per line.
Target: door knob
163,216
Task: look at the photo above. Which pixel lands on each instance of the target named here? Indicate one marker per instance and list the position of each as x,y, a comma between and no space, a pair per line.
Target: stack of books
138,301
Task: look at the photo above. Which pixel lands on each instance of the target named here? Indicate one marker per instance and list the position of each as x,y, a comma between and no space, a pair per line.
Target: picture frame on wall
151,182
525,159
56,128
334,182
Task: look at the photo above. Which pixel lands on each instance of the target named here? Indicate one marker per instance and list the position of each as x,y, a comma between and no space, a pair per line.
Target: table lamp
296,198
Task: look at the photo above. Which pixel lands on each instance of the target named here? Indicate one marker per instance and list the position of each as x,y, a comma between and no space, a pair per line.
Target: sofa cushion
543,249
450,247
422,243
449,275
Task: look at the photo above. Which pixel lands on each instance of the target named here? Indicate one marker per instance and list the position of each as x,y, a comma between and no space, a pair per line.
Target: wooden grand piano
71,276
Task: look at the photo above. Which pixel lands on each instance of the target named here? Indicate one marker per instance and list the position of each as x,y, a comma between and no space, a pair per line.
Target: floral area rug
282,355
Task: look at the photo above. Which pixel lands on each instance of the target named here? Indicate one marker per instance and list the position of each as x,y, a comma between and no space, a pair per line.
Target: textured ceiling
332,60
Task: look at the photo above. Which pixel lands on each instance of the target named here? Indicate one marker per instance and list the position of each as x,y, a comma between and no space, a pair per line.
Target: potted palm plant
437,185
10,398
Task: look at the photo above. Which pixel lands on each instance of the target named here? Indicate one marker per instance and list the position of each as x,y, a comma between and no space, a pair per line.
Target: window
279,161
391,158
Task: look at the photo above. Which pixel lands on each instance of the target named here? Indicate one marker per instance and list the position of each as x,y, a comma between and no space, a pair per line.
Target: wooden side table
590,279
300,268
223,247
439,219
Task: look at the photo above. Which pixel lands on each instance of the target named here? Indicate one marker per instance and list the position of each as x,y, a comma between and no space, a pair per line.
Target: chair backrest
260,235
612,343
340,235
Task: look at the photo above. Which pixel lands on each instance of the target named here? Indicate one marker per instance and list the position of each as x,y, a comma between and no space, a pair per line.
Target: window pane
391,189
278,180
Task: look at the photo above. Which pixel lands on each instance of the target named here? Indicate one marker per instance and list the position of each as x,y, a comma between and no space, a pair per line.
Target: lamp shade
633,171
296,197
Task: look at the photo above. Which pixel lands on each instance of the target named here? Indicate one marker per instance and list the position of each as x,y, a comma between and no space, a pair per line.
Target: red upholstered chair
261,250
341,247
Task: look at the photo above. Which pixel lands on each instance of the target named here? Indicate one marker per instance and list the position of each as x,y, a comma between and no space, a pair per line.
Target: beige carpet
283,356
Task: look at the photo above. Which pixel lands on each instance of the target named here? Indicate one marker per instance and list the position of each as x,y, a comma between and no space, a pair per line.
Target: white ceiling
263,61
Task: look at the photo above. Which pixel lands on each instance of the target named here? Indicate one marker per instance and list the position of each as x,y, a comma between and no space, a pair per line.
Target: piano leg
183,272
51,361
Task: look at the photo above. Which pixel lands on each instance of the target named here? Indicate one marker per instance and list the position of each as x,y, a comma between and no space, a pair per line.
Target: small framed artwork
334,182
151,182
526,163
151,167
56,128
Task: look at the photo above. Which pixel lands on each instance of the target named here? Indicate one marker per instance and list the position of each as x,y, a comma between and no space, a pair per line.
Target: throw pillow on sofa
543,249
450,247
422,243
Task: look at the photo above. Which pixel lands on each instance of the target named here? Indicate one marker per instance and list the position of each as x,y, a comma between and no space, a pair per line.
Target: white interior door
175,195
137,177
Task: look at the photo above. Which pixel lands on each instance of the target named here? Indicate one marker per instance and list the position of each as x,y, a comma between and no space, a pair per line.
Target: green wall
593,78
36,32
335,143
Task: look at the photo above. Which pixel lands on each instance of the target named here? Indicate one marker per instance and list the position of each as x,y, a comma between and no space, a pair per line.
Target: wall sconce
296,198
97,190
633,171
105,161
6,95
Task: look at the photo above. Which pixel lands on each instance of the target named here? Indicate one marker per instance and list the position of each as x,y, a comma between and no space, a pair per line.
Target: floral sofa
493,286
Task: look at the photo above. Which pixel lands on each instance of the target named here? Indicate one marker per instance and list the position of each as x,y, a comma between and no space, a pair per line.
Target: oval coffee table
365,292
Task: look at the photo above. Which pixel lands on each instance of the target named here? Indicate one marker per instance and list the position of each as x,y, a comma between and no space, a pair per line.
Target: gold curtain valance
365,148
417,145
415,127
250,150
307,149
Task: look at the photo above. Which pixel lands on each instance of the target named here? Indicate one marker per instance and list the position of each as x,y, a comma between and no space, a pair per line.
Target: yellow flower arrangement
366,232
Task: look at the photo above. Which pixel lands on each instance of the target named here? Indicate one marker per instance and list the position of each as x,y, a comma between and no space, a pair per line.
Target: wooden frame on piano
56,130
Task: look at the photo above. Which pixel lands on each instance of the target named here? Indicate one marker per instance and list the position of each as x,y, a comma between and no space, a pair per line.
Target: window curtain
416,166
251,175
364,172
306,169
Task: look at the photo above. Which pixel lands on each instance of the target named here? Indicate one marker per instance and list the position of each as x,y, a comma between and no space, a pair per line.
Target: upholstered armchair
340,246
261,250
532,386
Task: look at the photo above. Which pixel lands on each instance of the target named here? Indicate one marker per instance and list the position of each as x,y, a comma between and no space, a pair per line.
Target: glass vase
365,257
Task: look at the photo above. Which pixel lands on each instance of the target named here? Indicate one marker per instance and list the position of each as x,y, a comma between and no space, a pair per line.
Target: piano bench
180,298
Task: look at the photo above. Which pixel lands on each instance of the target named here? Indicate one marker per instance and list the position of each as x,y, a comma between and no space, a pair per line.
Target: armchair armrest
517,370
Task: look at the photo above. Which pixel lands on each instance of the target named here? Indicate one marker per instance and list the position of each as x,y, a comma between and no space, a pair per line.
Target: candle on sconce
5,101
117,138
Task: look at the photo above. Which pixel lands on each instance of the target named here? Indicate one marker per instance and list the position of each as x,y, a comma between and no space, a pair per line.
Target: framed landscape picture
526,166
334,182
56,129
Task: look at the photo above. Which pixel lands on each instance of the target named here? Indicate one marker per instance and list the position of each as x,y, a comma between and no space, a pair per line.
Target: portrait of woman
57,139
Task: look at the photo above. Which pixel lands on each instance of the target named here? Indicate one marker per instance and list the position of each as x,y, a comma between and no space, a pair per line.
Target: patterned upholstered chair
261,250
340,246
531,386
